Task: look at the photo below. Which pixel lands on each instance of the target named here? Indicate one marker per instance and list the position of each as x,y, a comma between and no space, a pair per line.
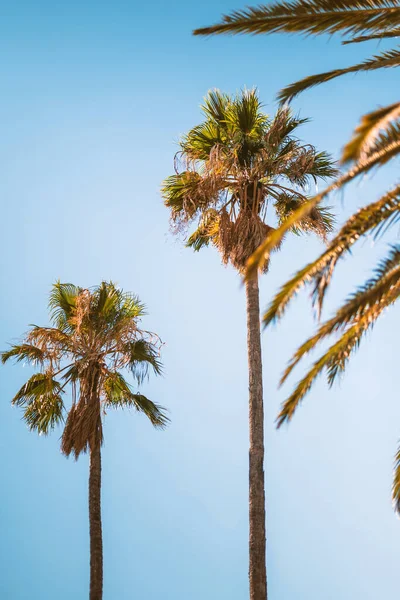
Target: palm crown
236,164
94,338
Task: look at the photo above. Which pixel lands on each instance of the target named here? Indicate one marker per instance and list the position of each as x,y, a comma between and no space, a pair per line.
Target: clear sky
94,96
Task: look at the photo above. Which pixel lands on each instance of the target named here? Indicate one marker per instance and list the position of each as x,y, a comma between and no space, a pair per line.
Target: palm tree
94,338
229,170
375,141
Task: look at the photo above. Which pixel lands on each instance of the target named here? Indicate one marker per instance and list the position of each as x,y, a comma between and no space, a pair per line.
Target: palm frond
178,188
274,239
377,216
215,105
382,35
41,399
385,60
244,114
359,314
206,231
62,302
199,142
366,133
22,352
141,355
372,297
311,17
119,394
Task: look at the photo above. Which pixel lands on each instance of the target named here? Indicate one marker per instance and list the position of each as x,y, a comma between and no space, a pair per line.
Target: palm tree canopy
94,338
236,164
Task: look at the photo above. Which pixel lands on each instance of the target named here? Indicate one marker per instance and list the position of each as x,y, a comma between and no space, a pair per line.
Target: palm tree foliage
375,141
95,338
235,165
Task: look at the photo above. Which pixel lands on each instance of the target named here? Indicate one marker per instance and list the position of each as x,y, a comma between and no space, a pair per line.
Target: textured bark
96,540
257,542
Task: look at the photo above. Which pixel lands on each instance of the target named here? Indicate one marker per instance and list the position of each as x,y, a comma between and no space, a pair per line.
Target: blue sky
94,98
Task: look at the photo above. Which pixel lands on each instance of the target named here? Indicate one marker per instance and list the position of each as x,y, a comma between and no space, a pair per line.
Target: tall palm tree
94,338
230,169
375,142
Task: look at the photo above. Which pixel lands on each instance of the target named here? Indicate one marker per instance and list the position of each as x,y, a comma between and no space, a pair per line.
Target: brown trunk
96,540
257,543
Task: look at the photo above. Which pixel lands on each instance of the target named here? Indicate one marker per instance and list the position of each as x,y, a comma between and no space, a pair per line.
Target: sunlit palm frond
215,105
372,296
40,397
206,232
62,302
198,143
119,394
376,217
355,317
27,352
311,17
179,192
142,354
244,114
366,133
385,60
382,35
257,260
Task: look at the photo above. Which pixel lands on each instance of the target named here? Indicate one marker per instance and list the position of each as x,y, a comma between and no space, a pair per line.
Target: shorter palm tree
94,338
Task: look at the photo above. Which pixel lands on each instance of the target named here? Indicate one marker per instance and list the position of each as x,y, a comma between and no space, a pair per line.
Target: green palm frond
199,142
206,231
26,352
119,394
245,114
355,317
376,217
41,399
385,60
141,355
311,17
215,105
62,302
178,188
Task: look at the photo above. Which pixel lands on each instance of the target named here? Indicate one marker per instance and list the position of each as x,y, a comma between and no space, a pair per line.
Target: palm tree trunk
257,543
96,540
